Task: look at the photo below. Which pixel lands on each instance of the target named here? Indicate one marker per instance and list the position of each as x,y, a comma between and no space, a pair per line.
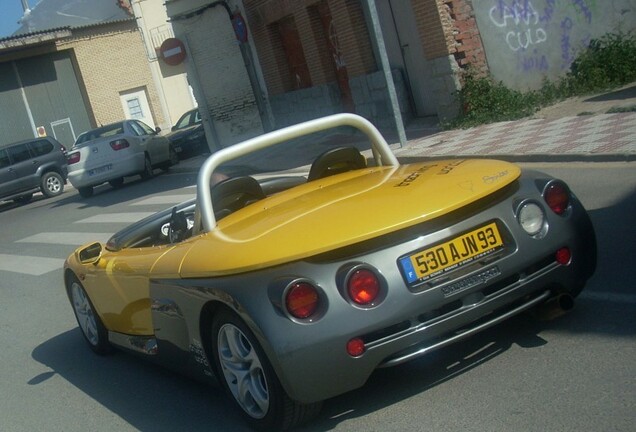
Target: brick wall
448,27
112,59
468,48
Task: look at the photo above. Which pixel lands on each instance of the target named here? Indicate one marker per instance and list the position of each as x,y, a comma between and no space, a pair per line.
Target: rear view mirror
90,254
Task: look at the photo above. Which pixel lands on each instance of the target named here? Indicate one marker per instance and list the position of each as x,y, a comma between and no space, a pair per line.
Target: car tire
247,376
116,183
23,199
85,192
52,184
148,171
89,322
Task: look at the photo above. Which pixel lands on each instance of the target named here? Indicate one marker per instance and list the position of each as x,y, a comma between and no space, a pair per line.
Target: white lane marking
35,266
66,238
163,199
116,217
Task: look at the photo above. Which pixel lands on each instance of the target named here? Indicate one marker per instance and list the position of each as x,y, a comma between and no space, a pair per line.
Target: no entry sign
172,51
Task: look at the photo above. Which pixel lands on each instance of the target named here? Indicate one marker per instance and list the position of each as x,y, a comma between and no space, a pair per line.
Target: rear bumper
84,177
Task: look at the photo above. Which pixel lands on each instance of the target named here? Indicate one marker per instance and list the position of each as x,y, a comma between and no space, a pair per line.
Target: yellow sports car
293,290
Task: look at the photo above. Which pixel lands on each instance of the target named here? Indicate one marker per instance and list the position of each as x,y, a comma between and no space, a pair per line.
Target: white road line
30,265
116,217
163,199
66,238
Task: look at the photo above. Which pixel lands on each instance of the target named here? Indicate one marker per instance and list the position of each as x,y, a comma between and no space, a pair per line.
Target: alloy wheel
243,371
85,314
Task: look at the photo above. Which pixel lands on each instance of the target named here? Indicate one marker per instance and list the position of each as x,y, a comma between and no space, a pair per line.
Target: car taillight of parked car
73,158
119,144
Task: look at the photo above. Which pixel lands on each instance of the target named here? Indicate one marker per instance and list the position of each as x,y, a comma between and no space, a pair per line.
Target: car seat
336,161
233,194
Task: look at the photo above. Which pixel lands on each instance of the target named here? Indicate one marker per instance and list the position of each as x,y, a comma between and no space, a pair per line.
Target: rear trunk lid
341,210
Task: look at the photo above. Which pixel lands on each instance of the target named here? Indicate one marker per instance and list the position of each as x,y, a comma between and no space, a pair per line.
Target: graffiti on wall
529,28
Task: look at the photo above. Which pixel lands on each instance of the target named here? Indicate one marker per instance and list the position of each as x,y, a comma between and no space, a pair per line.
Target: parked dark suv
33,165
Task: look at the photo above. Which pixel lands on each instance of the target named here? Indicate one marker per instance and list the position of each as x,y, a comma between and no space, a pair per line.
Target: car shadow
148,397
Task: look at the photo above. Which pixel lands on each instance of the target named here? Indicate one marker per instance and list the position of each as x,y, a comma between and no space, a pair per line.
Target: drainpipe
24,98
378,40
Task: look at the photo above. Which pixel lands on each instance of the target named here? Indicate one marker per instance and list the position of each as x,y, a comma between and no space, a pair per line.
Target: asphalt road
576,373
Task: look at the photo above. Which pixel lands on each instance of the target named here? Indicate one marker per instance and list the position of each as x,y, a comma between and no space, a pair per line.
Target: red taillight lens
563,256
363,287
557,196
355,347
73,158
119,144
302,300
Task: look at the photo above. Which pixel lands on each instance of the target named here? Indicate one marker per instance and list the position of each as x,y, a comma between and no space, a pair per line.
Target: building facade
262,64
63,81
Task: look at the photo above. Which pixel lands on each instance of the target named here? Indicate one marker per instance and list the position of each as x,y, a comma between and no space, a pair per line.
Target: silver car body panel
411,321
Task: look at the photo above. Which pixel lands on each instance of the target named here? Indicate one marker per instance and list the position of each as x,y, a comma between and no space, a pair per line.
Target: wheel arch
208,313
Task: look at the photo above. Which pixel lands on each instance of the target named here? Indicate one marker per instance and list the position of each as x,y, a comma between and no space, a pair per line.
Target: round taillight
355,347
302,300
563,256
557,196
363,287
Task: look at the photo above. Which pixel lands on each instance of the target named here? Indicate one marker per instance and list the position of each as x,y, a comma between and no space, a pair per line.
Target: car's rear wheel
85,192
248,377
147,172
116,183
89,322
23,199
52,184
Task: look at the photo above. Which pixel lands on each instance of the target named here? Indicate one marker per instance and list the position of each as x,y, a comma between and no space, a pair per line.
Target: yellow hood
337,211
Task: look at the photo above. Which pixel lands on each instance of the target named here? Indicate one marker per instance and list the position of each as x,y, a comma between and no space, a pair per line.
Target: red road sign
172,51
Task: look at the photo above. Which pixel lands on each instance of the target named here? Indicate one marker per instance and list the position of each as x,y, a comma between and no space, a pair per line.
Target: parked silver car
112,152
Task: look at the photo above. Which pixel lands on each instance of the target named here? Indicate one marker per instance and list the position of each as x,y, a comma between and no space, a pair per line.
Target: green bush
608,62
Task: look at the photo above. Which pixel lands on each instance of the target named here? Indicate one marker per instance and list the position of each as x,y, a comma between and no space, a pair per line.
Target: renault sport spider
292,290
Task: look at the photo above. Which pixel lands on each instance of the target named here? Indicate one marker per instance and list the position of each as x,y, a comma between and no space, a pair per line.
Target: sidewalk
601,137
587,138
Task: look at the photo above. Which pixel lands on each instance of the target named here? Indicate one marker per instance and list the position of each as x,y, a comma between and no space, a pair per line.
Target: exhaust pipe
554,307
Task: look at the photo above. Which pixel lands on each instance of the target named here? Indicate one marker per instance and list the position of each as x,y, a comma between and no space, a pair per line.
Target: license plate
461,250
100,169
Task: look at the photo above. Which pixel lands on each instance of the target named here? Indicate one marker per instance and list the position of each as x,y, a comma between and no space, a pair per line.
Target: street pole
378,40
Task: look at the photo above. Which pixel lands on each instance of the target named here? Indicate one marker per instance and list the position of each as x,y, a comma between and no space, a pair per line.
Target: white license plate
100,169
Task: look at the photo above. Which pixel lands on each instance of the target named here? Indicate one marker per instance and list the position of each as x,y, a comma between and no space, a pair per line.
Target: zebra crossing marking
66,238
30,265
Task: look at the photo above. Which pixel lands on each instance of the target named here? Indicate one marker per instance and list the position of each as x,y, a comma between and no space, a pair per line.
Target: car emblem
95,149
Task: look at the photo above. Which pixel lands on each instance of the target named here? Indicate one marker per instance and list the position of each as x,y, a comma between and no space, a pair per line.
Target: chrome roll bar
381,152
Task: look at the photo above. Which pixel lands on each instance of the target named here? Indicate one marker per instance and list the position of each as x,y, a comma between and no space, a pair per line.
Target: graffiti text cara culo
523,21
